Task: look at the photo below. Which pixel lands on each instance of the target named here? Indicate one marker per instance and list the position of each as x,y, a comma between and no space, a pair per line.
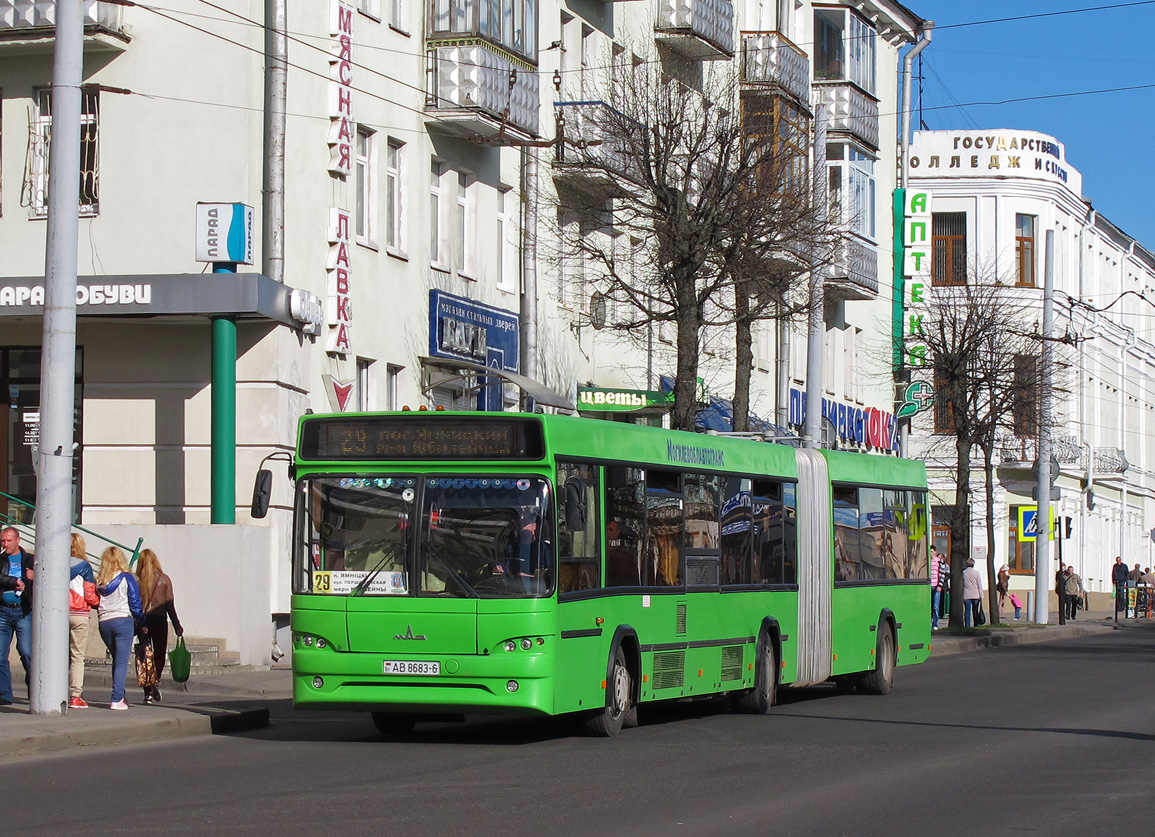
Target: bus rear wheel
393,723
608,721
879,681
758,700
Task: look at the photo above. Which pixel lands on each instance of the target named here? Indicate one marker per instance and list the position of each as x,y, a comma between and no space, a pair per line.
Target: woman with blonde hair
119,612
81,599
157,601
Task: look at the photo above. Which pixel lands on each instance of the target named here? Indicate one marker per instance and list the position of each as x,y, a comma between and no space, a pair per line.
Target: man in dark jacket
15,609
1119,579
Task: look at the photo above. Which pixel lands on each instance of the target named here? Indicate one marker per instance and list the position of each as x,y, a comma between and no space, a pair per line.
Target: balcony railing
590,152
29,26
768,58
850,111
854,273
471,93
700,29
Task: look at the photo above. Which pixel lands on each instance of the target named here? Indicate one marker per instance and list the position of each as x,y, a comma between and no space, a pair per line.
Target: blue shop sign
462,329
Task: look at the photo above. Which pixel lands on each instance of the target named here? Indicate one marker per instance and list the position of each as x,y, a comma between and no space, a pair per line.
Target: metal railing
28,527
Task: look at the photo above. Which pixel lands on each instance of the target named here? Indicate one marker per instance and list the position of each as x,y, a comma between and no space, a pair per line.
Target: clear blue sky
1107,135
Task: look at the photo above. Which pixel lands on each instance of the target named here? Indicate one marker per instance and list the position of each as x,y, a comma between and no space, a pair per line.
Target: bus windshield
404,535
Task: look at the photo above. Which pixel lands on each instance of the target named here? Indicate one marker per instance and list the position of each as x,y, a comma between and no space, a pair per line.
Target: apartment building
412,262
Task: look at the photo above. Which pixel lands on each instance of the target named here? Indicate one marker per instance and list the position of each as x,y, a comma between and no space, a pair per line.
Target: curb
948,646
42,735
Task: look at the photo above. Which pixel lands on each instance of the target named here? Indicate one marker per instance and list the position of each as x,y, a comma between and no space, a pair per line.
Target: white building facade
995,196
417,162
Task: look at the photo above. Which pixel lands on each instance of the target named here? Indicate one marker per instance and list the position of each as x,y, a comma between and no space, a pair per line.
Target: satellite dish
598,310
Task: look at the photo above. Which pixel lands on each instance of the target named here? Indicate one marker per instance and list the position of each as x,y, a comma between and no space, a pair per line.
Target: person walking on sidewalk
1003,586
81,599
972,593
119,611
157,601
1119,580
937,578
1073,587
15,610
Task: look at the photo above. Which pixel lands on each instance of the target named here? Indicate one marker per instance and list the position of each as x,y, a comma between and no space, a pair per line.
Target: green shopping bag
179,661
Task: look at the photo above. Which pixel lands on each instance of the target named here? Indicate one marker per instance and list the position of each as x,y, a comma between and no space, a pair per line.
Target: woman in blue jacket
120,614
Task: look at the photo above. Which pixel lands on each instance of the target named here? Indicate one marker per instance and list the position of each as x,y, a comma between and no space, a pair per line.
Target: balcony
470,93
769,59
702,30
29,27
590,158
851,112
854,273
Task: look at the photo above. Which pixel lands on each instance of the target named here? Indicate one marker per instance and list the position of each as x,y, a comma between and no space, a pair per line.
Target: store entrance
20,421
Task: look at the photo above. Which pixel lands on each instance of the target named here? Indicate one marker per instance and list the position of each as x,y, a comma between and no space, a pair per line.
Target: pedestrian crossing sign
1029,523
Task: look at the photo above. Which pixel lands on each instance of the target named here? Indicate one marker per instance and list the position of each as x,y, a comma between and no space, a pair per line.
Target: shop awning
539,392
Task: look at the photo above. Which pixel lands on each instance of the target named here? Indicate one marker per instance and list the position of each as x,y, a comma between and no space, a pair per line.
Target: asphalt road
1045,739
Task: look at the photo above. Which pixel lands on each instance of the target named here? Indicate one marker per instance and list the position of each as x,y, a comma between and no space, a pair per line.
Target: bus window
770,529
625,489
846,532
702,541
737,532
579,562
789,533
665,529
872,535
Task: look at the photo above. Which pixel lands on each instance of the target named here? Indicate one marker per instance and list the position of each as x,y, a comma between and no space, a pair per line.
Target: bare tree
982,354
717,213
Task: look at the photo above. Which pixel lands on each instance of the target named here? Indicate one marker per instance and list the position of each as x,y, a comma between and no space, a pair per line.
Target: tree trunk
686,382
960,531
743,359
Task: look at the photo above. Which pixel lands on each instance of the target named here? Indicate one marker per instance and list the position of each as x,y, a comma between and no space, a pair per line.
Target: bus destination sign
420,437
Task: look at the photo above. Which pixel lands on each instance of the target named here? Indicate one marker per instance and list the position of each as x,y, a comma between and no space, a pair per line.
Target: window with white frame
394,194
35,193
364,384
464,227
829,350
393,387
844,48
365,165
372,8
506,251
399,15
511,24
853,189
436,210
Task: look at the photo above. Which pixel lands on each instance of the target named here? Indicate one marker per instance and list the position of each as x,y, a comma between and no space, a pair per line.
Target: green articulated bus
447,563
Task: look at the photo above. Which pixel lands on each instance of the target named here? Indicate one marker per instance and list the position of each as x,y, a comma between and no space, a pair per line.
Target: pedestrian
1003,586
936,582
1135,574
1119,580
15,610
81,599
1073,587
1061,591
157,602
972,593
1017,604
119,612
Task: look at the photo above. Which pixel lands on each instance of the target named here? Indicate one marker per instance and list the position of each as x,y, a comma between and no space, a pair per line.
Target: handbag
980,614
179,661
146,675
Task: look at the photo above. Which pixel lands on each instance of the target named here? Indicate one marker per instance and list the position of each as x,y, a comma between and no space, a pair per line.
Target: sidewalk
238,700
212,704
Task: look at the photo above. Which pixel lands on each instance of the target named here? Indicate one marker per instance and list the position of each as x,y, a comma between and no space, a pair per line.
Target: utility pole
276,78
1043,492
816,322
48,687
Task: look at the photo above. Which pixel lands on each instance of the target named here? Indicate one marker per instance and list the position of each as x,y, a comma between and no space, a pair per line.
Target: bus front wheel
608,721
758,700
879,681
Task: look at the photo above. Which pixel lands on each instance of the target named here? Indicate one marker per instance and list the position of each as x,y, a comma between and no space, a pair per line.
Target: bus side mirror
575,506
262,492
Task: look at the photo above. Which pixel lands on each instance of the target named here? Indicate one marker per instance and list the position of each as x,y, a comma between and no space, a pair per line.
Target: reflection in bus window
846,542
579,562
625,488
702,544
737,532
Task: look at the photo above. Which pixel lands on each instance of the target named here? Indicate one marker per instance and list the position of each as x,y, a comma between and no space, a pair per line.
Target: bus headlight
510,645
526,644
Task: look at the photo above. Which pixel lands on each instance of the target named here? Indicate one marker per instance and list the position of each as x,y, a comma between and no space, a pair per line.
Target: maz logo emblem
409,634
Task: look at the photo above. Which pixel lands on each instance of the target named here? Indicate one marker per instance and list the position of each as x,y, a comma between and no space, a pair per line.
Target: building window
40,140
853,189
786,127
364,385
844,48
464,226
372,8
1025,400
511,24
949,248
394,205
943,414
365,163
1025,249
436,247
392,387
506,241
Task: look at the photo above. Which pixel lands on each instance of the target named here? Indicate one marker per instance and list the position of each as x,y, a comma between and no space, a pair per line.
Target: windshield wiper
364,583
435,551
